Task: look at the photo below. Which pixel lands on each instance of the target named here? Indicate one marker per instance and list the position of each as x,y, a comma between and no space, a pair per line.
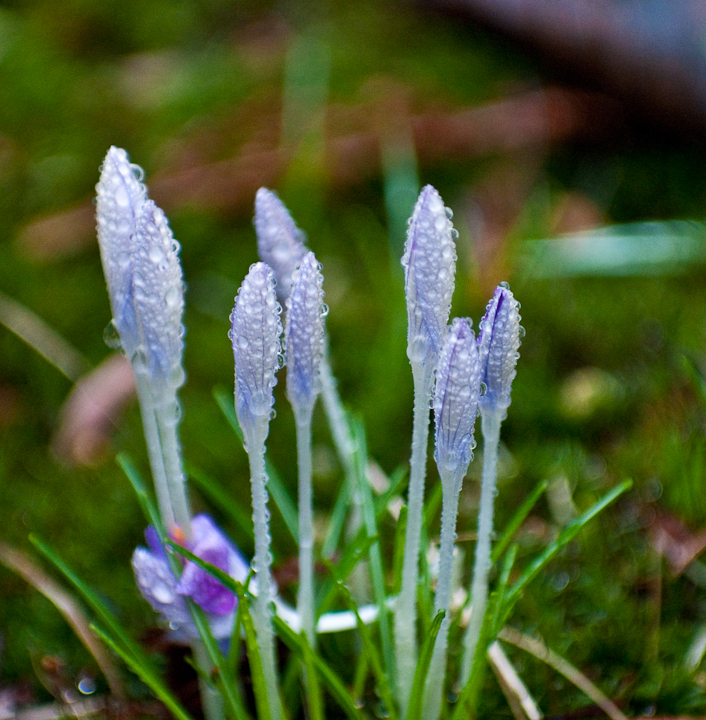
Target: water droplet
177,376
162,593
111,336
505,284
156,254
121,196
86,685
172,297
521,331
417,349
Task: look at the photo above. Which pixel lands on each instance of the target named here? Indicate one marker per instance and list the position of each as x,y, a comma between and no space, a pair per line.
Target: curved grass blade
145,674
328,677
313,689
372,654
564,537
517,520
420,674
138,485
226,682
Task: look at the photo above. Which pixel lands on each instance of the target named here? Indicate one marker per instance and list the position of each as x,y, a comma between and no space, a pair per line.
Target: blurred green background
346,108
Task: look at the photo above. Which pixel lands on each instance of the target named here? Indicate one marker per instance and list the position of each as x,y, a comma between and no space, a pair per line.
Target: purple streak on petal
498,343
280,243
430,265
304,335
456,397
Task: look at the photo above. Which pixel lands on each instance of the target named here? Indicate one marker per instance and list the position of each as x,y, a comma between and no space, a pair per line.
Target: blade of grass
565,537
343,568
420,674
328,677
145,674
212,489
337,520
226,682
517,520
371,652
370,522
275,487
503,581
313,689
398,557
138,485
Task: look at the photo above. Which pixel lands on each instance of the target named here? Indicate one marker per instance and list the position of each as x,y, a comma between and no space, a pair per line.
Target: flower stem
490,425
211,699
451,483
262,616
154,448
305,599
406,604
167,420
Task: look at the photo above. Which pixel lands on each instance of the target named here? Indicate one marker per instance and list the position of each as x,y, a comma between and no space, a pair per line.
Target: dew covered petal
430,265
304,335
280,243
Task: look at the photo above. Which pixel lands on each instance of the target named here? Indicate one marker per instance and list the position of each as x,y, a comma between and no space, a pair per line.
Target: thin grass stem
405,606
305,598
490,425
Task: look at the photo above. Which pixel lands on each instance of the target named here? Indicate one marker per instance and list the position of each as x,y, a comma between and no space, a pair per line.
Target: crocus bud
120,198
430,264
498,342
456,398
255,335
304,336
159,296
280,243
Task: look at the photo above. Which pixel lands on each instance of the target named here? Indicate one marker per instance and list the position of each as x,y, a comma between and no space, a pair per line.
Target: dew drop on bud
111,336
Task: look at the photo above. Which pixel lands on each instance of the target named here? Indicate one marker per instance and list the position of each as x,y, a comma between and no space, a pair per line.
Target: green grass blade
343,568
138,485
370,522
503,582
145,674
565,537
226,683
420,674
313,688
372,654
517,520
328,677
129,645
398,556
212,489
337,520
276,488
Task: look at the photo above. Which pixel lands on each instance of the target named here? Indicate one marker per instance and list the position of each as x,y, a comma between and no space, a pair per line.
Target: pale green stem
262,616
167,420
305,598
154,448
211,699
490,425
406,604
451,481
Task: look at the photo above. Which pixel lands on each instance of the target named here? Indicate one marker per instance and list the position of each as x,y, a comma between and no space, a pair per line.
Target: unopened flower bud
456,397
498,343
304,335
255,335
430,264
280,243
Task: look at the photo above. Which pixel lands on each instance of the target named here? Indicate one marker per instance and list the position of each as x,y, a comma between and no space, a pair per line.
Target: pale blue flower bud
304,335
159,296
120,197
280,243
430,264
498,342
255,334
142,270
456,397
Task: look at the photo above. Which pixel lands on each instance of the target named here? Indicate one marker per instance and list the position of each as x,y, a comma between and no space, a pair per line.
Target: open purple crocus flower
166,593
